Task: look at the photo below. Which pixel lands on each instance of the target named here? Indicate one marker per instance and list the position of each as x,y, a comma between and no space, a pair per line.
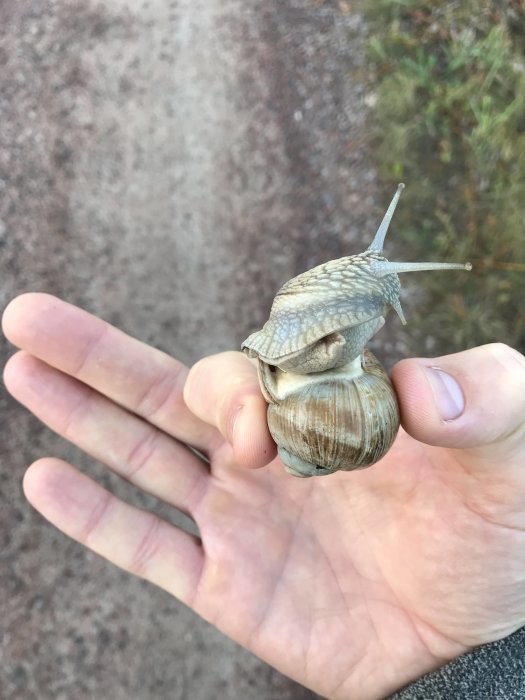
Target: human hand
353,584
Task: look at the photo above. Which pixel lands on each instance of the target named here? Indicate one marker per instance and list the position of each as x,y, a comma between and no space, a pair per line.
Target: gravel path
167,165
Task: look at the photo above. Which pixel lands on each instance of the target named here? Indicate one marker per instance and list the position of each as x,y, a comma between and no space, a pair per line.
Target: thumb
472,400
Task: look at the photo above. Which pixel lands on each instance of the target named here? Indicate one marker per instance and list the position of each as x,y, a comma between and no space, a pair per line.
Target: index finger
224,391
144,380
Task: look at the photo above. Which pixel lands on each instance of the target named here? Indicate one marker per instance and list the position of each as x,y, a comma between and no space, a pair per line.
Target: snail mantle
331,405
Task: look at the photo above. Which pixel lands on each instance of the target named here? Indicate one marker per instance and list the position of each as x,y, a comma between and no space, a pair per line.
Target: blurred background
168,165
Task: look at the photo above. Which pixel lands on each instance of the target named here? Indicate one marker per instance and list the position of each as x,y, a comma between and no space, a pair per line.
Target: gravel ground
166,164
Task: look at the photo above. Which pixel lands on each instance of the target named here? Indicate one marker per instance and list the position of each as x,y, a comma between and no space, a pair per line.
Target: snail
331,405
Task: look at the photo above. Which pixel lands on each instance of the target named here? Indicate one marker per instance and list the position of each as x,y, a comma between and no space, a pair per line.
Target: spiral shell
343,419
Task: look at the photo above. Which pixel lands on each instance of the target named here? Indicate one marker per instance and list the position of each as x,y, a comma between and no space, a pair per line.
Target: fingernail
448,395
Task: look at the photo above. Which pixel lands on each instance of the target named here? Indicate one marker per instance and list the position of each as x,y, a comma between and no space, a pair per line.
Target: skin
353,584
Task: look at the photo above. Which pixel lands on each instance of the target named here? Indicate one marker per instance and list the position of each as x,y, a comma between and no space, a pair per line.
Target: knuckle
90,350
77,413
146,549
142,452
96,519
156,396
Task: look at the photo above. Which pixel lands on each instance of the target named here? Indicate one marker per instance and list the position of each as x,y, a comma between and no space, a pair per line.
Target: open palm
353,584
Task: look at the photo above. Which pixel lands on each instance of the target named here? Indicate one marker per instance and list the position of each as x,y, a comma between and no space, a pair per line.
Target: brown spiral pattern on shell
338,423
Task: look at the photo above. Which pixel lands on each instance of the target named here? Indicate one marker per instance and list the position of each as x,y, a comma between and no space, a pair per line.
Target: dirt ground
166,164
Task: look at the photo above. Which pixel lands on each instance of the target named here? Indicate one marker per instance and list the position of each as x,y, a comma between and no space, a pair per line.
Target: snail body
331,406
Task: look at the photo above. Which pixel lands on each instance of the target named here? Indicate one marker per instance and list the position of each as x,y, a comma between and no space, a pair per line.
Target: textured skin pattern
336,295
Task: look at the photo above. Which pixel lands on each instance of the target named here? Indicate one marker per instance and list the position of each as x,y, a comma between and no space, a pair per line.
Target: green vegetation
450,123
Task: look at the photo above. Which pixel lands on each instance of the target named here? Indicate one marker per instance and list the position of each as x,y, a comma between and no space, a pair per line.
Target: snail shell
341,419
331,405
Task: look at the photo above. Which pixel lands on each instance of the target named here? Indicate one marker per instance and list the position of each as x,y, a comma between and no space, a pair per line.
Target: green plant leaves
450,121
